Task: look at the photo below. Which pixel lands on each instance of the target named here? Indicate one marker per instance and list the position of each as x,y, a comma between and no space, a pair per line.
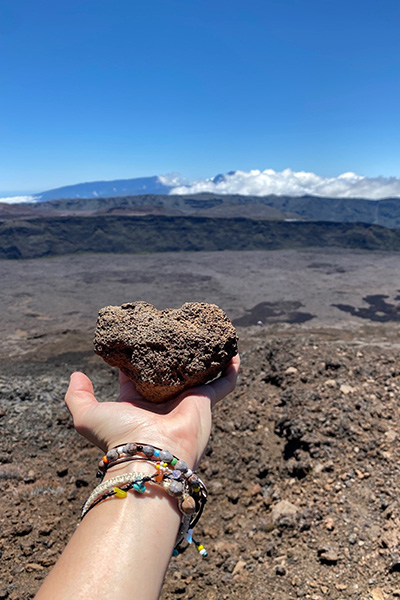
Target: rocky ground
302,470
303,463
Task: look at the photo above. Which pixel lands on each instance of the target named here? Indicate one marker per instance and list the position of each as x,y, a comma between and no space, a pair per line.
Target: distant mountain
304,208
106,189
113,189
384,212
254,183
222,177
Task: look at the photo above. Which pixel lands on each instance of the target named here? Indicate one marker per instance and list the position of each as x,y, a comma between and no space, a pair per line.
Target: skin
122,547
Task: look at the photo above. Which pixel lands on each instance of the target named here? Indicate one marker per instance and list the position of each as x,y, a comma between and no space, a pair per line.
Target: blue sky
107,89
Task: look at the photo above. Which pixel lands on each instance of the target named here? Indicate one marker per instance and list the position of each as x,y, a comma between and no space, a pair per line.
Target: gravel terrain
302,466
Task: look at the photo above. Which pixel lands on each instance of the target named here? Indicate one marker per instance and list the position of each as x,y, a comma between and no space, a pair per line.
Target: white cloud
286,182
171,179
19,199
292,183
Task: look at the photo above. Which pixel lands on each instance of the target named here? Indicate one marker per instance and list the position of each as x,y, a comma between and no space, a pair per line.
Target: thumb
80,396
226,383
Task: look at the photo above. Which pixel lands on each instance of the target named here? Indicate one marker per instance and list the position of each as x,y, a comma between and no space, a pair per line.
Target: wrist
144,469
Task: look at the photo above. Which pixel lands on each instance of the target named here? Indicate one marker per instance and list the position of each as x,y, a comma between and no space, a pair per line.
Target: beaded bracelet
168,465
172,474
190,503
136,482
134,451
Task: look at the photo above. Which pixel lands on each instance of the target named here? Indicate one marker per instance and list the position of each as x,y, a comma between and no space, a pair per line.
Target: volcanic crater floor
302,466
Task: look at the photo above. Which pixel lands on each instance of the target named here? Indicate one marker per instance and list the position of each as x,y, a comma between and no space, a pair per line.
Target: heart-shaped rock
165,352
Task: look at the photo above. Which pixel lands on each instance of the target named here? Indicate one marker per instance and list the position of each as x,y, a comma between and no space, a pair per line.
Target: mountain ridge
52,236
384,212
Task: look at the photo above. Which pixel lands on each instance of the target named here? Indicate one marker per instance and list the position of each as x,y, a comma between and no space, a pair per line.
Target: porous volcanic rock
165,352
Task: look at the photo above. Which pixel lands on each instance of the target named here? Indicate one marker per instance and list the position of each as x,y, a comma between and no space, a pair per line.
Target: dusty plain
302,466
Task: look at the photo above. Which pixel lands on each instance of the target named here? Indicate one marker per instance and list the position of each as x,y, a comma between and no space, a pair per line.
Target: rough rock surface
165,352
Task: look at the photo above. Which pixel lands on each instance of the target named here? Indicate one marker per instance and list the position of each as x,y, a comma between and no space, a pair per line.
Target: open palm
181,425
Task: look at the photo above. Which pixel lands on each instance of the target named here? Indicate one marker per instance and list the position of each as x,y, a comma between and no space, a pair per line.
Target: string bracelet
170,473
185,533
98,492
136,482
188,504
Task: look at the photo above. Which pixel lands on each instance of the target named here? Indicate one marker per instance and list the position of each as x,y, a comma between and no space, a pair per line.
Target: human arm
122,548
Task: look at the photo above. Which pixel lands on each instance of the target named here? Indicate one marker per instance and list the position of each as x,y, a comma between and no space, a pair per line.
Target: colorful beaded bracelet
137,482
172,474
132,451
168,465
190,502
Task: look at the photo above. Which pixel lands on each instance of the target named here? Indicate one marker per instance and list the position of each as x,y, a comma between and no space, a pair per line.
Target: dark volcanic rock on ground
165,352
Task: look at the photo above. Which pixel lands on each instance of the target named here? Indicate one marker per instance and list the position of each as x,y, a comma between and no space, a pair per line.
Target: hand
181,425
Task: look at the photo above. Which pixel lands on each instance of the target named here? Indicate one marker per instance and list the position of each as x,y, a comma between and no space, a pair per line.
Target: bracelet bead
130,449
166,456
112,455
120,493
148,451
188,505
180,465
175,488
